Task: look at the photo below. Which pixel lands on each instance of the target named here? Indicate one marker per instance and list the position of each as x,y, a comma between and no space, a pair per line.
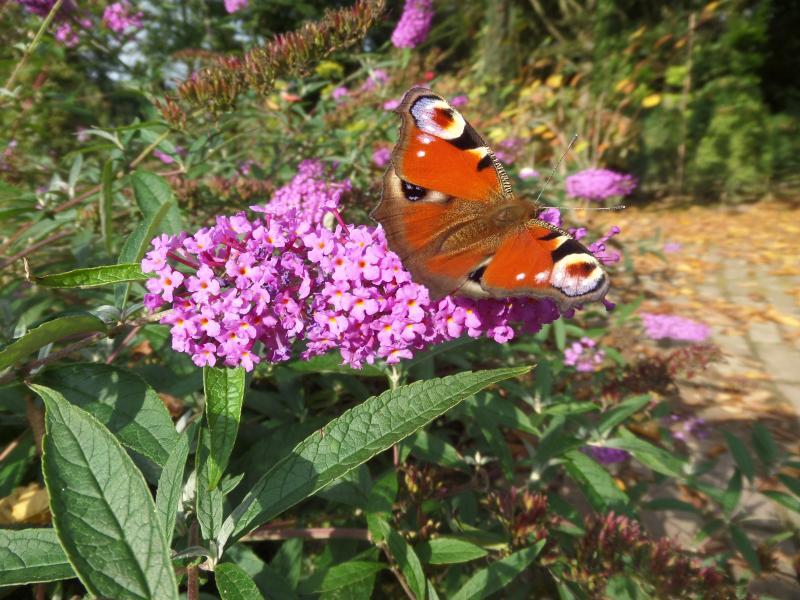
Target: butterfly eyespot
412,192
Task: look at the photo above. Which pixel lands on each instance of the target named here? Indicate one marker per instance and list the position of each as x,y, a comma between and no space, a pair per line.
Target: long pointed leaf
499,574
32,555
93,276
170,486
352,439
46,333
102,509
224,390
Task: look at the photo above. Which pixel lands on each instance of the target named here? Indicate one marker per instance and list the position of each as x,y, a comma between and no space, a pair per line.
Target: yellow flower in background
27,504
539,129
625,86
329,69
710,7
638,33
554,81
580,146
497,133
651,100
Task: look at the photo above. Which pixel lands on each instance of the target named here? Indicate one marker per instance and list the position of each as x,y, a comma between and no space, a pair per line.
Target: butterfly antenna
617,207
555,167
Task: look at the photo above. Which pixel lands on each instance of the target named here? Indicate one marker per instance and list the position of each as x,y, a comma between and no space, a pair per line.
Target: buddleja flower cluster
414,24
673,327
251,289
584,355
599,184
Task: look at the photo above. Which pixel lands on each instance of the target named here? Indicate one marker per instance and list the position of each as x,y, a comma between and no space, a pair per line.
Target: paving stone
780,361
765,333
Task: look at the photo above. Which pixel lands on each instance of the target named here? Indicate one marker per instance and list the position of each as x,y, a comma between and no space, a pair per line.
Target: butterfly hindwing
538,260
439,150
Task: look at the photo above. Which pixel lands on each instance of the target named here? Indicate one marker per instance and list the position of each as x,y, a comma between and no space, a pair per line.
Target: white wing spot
520,276
420,153
542,277
425,139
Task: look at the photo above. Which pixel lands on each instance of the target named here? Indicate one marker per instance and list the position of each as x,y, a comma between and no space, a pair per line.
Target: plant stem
192,575
32,46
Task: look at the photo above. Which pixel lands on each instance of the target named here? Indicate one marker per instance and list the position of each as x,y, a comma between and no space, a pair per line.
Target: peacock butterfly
450,215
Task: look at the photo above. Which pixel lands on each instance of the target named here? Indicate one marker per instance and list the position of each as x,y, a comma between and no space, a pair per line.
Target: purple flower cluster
381,157
339,93
672,327
284,278
584,355
232,6
43,7
526,173
599,184
459,101
685,427
414,24
310,193
507,150
119,18
606,456
377,78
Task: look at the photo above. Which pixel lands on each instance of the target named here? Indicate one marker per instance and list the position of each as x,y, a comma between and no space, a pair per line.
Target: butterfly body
450,214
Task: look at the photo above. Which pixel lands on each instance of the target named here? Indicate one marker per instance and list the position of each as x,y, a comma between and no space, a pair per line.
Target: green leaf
791,483
209,503
137,242
170,486
786,500
569,408
432,448
32,555
102,509
764,445
379,503
152,192
595,480
288,561
352,439
47,333
651,456
107,204
332,363
448,551
342,575
234,584
15,464
499,574
157,205
733,492
224,390
745,548
485,408
121,401
560,333
741,455
406,559
93,276
622,411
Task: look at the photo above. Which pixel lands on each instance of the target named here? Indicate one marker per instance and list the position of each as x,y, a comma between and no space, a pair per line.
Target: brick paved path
737,270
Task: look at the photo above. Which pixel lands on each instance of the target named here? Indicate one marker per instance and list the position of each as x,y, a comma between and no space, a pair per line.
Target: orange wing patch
436,164
538,261
438,150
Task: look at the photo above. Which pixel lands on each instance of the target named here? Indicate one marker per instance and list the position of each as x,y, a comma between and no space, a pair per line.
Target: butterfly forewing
438,150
